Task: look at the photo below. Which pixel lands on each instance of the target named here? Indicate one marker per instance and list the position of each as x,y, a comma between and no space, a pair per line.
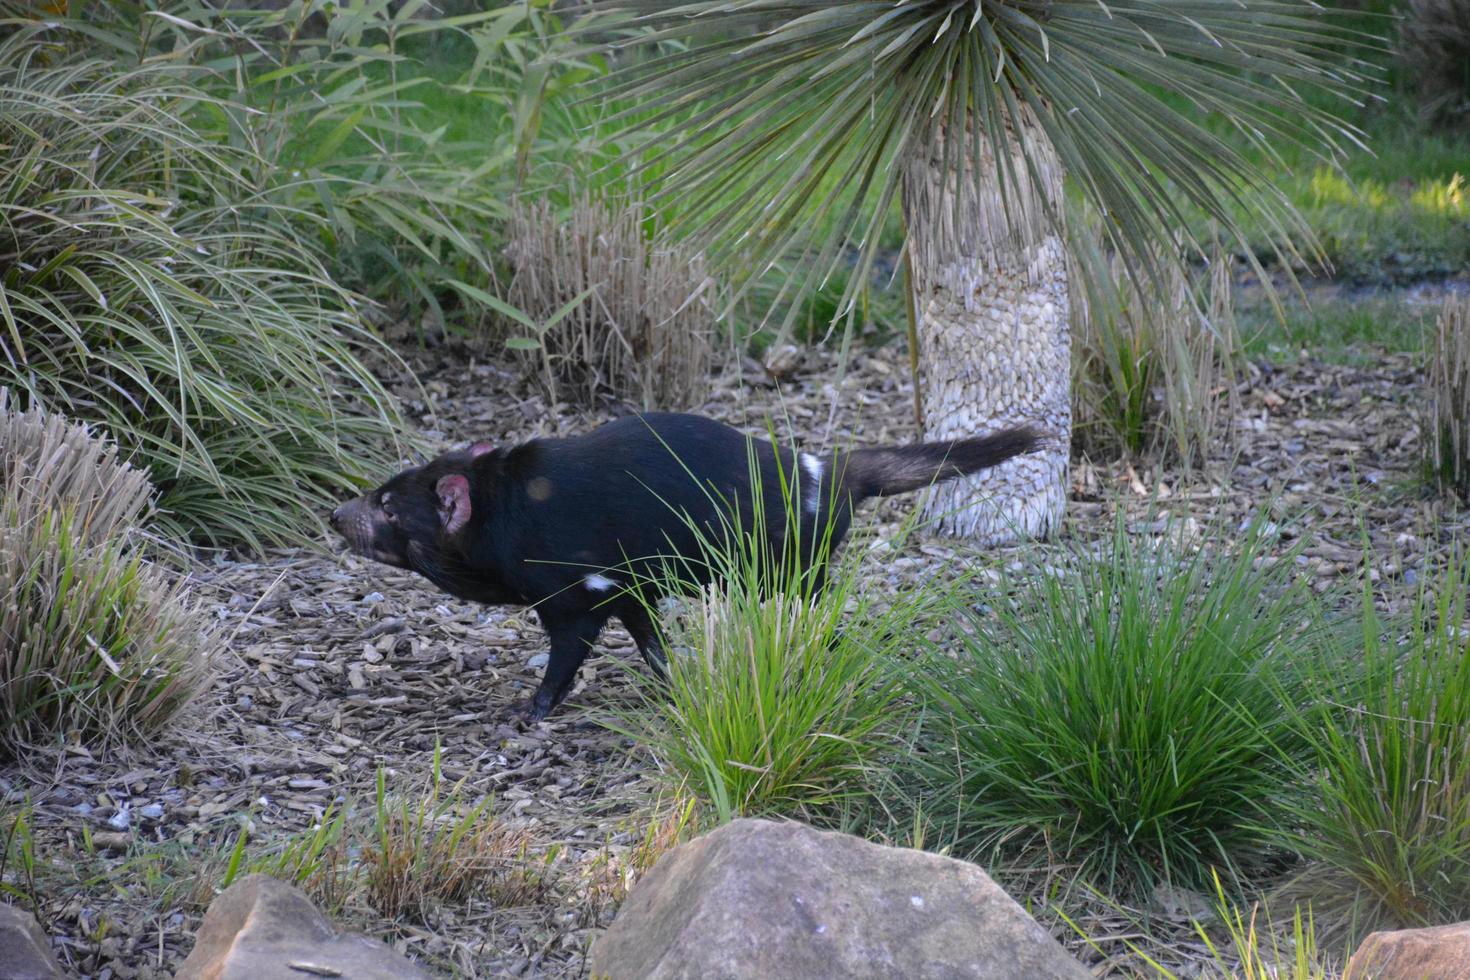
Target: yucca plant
782,124
94,640
1127,717
146,286
1445,423
1386,822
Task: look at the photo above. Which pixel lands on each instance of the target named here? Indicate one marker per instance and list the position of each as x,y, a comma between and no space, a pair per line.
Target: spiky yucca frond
807,109
93,639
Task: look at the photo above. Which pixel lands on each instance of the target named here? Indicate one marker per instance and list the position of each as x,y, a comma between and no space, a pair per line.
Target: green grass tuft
1387,819
1122,716
782,694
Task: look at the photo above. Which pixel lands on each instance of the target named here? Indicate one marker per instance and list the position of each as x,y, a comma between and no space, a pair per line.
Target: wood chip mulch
331,668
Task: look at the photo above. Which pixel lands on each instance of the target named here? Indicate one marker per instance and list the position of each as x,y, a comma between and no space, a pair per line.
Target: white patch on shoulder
598,583
813,467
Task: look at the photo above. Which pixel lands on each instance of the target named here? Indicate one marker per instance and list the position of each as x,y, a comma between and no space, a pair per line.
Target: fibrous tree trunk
989,275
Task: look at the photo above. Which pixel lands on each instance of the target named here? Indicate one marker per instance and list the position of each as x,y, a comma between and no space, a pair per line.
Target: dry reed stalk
1446,426
643,332
1152,362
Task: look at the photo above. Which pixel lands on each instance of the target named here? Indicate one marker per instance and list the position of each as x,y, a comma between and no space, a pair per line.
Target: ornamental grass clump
1124,716
609,312
147,286
782,696
94,639
1387,821
1151,361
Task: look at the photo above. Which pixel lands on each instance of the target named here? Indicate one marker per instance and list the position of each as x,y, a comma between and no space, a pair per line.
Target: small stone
538,660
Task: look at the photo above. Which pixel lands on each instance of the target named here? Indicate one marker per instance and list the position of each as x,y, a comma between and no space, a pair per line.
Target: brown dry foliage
644,331
1152,364
94,639
1434,47
1446,425
426,852
610,873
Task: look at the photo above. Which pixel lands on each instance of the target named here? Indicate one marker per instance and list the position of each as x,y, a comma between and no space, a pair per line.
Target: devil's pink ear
480,448
454,502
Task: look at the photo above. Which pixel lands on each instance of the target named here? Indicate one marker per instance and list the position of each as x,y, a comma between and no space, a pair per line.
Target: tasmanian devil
579,527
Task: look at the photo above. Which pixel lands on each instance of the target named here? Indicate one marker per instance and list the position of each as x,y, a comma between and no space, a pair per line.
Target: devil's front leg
572,636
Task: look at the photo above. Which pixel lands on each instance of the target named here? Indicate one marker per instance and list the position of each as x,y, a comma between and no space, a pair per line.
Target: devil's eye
385,502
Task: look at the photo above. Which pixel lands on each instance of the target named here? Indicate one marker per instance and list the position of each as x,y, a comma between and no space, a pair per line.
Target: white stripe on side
813,467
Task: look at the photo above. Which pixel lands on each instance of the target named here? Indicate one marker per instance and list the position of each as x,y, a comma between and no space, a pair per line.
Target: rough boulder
1413,954
25,952
757,898
263,929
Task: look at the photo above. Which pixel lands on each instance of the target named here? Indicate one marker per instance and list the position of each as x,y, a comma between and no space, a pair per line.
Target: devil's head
415,514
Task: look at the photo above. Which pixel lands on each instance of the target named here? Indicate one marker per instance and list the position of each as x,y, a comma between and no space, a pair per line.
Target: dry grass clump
610,873
427,851
413,853
93,639
1434,46
609,312
1150,362
1446,424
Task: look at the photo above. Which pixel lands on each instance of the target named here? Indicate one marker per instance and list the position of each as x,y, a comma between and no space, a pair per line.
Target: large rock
25,952
1440,953
263,929
762,899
